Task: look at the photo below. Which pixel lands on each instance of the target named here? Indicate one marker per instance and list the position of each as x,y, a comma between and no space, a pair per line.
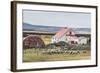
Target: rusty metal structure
33,41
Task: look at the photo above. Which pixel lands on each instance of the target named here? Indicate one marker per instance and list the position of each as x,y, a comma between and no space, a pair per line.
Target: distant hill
30,27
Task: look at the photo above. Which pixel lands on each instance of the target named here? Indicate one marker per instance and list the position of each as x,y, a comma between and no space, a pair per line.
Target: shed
33,41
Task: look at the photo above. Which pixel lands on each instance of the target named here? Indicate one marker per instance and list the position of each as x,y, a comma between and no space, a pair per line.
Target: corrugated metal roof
62,32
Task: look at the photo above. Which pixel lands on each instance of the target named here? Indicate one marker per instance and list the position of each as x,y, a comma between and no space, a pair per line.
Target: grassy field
31,55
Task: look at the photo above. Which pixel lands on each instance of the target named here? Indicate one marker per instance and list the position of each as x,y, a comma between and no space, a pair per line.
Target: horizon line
52,26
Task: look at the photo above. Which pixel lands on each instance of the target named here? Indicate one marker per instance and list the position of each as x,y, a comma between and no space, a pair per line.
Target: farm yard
56,36
63,45
31,55
57,53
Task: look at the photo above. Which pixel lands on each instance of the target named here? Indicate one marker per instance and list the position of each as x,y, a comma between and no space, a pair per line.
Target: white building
68,36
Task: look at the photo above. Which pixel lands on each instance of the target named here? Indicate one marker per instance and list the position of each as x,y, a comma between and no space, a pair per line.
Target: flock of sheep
64,48
59,51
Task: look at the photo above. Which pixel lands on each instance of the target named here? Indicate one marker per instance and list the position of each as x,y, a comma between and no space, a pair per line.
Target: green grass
32,55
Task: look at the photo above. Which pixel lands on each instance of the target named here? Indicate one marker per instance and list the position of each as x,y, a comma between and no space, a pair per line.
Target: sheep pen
53,52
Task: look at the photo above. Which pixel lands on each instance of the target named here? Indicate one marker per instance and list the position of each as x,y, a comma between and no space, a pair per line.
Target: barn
68,35
33,41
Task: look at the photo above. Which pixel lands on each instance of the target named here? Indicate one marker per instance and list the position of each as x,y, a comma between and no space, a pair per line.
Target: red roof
61,33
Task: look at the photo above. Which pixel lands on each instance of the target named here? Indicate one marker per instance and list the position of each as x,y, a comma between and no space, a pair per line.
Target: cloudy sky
62,19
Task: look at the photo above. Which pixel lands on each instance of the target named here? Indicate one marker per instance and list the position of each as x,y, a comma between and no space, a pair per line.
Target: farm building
68,35
33,41
54,34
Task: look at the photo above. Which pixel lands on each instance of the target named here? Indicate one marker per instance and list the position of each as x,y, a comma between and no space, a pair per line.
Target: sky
59,19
